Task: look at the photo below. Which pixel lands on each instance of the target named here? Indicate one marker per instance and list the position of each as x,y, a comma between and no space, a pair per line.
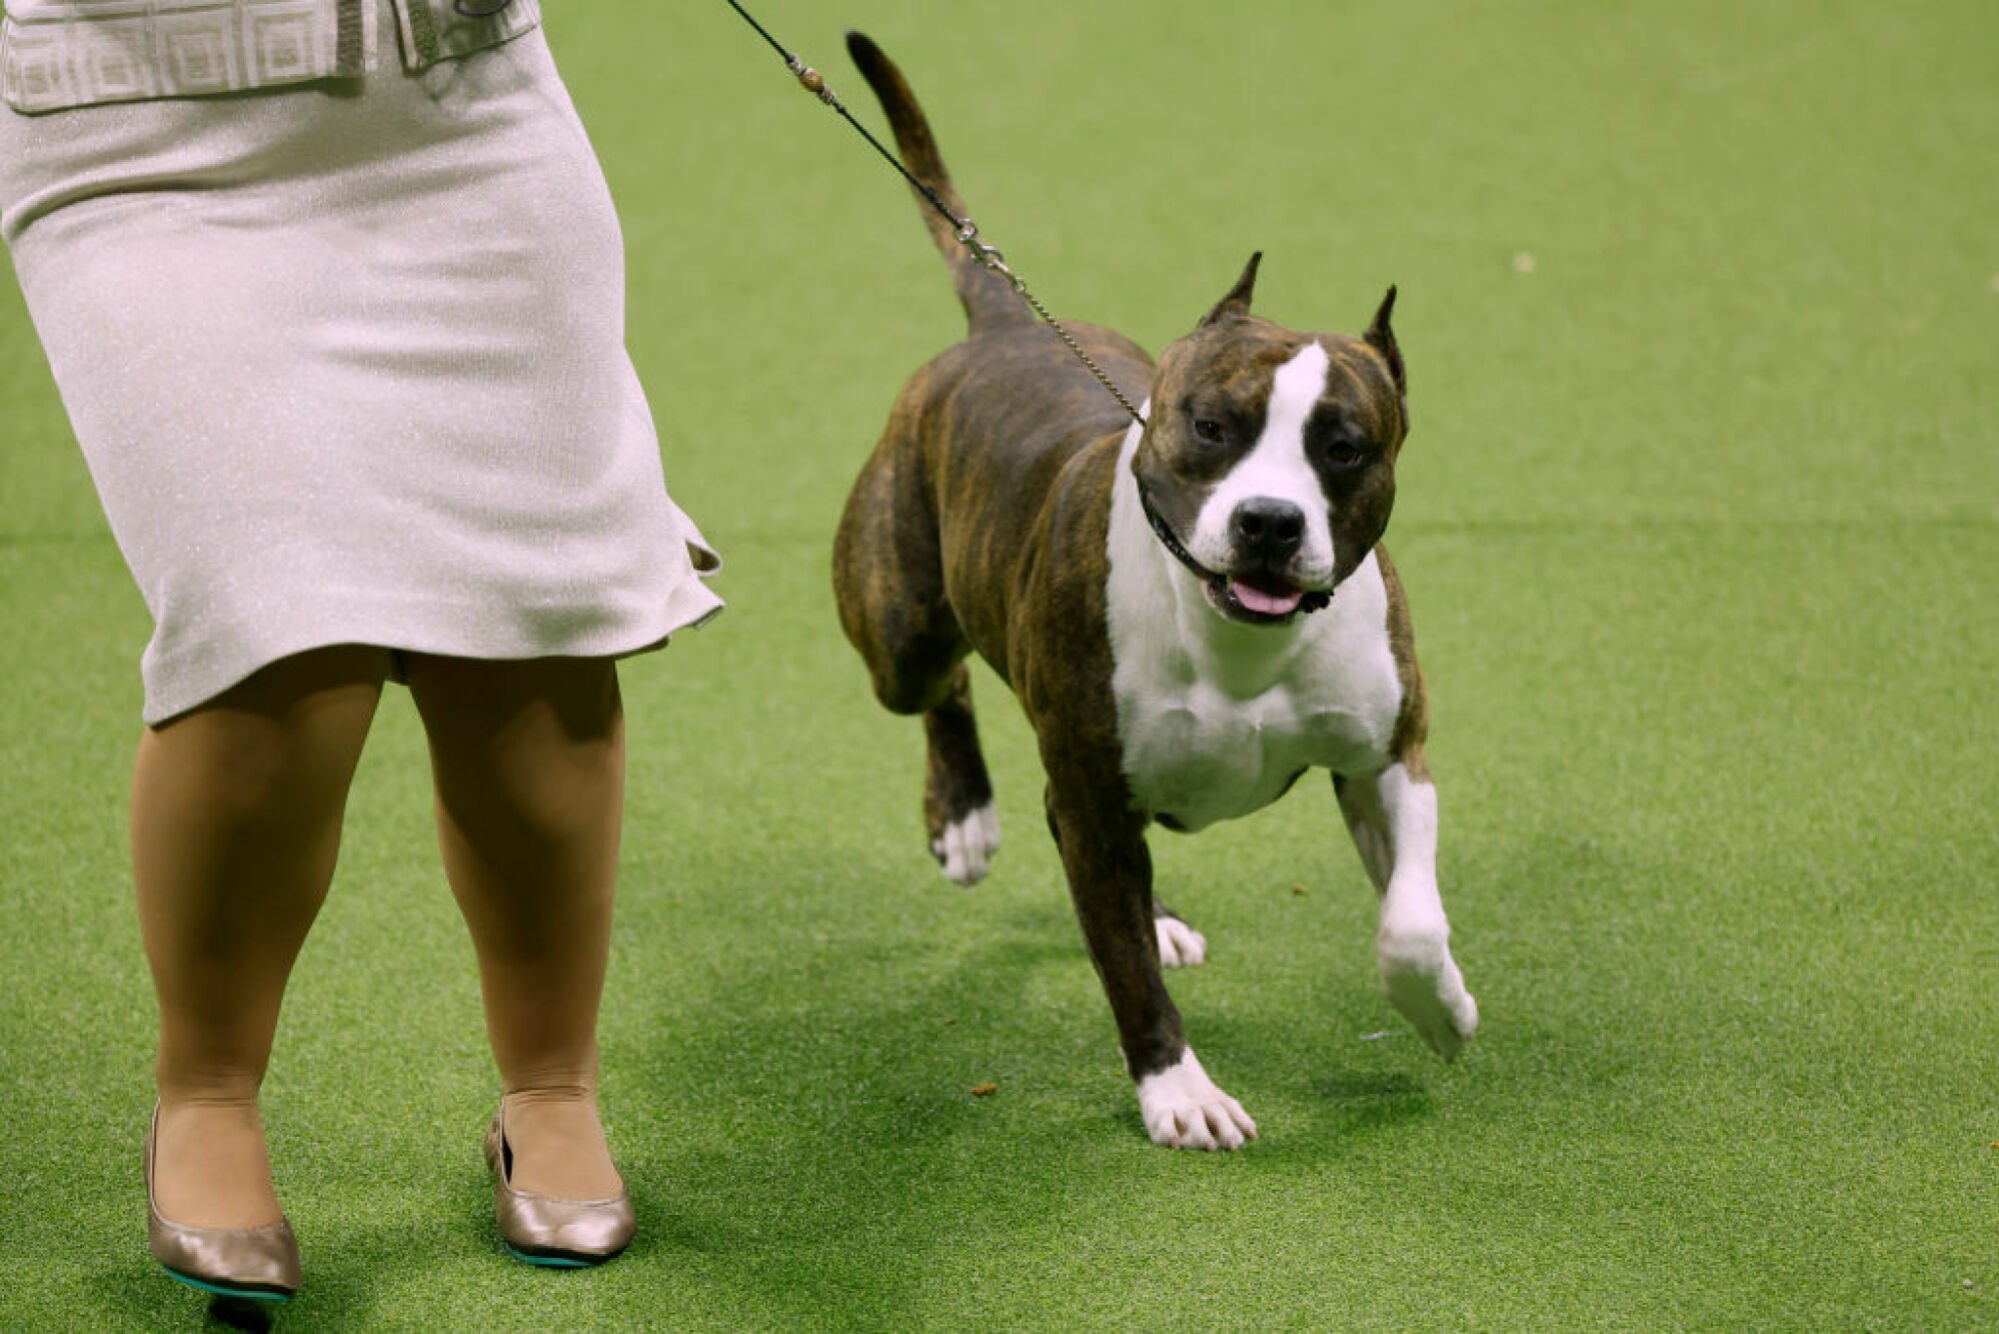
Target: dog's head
1268,464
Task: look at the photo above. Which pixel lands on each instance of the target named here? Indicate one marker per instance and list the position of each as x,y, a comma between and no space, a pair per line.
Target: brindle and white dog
1192,614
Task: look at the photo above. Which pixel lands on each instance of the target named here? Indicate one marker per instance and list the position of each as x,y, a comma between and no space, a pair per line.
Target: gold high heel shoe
257,1264
543,1230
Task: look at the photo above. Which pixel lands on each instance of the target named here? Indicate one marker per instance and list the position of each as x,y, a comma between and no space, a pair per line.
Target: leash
967,231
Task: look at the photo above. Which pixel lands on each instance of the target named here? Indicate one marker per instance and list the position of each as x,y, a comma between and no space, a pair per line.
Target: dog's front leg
1110,879
1393,818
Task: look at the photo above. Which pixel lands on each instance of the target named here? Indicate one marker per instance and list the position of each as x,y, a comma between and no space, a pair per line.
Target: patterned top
69,53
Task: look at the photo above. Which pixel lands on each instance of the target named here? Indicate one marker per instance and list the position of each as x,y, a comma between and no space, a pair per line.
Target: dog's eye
1209,431
1347,454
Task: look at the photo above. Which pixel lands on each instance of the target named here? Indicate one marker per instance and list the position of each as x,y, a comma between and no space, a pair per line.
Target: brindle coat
980,525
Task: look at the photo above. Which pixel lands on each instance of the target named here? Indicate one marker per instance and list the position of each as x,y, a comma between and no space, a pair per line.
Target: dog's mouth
1265,602
1259,599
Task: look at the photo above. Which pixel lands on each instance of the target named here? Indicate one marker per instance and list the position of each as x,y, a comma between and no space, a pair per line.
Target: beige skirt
347,363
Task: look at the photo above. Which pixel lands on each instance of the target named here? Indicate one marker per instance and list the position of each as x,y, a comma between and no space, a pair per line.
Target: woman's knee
536,747
533,701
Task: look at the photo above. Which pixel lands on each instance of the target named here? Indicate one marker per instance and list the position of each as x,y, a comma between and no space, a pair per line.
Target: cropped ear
1382,339
1236,303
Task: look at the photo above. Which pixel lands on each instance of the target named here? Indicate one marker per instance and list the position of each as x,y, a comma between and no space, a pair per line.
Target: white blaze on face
1276,468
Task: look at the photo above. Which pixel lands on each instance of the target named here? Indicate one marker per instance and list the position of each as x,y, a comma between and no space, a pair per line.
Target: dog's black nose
1268,529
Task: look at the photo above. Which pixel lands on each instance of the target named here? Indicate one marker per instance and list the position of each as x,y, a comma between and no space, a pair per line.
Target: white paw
1425,985
1180,945
1184,1110
965,849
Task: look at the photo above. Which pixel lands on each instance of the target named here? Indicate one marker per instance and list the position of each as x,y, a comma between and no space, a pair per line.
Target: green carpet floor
1700,522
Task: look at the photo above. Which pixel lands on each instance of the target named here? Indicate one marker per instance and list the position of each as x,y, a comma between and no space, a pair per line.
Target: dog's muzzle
1233,597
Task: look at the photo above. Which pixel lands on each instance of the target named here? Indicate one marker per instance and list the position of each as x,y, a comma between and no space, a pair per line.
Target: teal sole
221,1290
551,1261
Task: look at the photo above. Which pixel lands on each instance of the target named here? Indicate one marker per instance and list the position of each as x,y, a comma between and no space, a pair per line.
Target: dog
1192,611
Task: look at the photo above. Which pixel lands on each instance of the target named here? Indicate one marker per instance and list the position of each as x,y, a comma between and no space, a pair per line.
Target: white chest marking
1216,718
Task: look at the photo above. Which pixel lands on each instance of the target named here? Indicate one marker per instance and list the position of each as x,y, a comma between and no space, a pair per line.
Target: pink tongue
1265,604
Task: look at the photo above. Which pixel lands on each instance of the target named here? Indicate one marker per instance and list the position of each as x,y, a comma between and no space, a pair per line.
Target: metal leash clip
989,255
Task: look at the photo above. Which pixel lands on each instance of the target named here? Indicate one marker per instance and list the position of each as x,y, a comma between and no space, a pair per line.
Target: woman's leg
236,811
529,763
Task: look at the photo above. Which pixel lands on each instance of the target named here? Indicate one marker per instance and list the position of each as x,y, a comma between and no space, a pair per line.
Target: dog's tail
988,298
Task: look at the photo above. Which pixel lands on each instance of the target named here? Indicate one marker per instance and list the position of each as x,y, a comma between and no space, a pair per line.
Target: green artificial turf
1700,522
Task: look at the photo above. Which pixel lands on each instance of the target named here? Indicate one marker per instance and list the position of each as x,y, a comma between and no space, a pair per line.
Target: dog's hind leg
957,792
1180,945
888,580
888,574
1393,818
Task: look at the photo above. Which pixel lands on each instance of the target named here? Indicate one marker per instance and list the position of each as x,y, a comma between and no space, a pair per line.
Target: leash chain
965,229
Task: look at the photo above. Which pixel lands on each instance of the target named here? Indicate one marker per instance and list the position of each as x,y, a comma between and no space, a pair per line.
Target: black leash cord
815,83
967,231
